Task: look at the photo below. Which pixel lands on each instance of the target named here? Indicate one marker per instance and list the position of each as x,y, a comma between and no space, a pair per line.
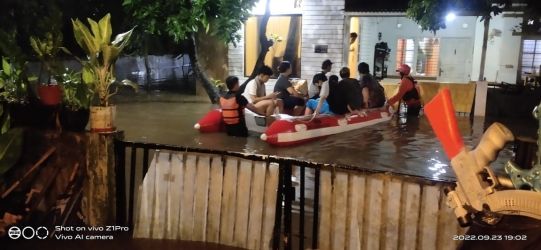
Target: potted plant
76,100
98,68
46,50
222,88
14,93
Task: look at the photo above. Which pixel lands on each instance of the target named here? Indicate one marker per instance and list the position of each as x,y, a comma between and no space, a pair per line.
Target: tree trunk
265,45
486,23
291,44
211,90
148,71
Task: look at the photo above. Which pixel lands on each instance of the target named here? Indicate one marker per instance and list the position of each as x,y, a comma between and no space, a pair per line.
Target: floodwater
406,148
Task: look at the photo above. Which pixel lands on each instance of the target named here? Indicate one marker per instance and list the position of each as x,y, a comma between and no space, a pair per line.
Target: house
309,31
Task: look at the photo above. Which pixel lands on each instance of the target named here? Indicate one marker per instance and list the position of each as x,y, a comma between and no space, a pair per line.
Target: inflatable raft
286,132
290,130
212,122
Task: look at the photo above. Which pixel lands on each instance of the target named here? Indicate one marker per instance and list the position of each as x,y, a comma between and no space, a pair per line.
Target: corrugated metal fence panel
203,197
377,211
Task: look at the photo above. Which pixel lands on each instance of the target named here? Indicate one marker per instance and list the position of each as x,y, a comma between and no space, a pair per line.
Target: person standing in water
233,104
408,92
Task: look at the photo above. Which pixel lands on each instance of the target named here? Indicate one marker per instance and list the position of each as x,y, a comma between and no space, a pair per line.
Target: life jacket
413,93
230,110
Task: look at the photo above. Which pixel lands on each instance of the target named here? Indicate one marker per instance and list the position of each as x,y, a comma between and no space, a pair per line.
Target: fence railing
319,205
135,156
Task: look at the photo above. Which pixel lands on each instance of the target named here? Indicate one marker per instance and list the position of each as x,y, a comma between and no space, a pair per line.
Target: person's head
264,73
363,68
284,68
352,37
232,83
344,72
404,70
333,79
326,65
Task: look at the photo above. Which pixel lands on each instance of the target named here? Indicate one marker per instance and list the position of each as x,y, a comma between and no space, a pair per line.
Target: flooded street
409,148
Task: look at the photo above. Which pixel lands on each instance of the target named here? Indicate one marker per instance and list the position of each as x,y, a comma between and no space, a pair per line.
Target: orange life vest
230,110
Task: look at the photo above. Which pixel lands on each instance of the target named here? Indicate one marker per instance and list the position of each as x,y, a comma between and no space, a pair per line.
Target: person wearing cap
292,99
408,92
314,89
373,93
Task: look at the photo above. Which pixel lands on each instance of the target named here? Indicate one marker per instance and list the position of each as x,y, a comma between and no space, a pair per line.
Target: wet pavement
406,148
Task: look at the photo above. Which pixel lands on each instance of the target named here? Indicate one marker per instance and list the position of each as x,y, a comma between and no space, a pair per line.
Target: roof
402,5
376,5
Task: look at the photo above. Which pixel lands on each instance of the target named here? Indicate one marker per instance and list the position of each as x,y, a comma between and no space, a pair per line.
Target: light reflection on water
410,148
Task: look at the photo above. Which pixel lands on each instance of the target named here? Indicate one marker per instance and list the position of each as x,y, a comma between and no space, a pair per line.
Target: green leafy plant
11,143
219,85
275,38
13,83
76,94
46,50
102,53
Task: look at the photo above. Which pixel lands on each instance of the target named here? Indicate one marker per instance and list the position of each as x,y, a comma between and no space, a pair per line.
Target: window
422,57
531,56
285,31
428,55
404,52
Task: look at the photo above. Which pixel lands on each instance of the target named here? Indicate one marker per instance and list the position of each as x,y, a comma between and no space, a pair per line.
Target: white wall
502,57
368,39
235,57
322,24
461,27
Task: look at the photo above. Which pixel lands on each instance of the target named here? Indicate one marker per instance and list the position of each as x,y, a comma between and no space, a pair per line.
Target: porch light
450,17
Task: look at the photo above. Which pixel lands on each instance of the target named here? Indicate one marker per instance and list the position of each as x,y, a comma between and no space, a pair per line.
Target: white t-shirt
254,88
312,90
324,92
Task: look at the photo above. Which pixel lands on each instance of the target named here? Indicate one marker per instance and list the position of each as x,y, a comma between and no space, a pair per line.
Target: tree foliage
178,19
430,14
21,19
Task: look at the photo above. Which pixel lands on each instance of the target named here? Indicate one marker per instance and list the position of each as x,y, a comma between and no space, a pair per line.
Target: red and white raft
212,122
294,131
291,130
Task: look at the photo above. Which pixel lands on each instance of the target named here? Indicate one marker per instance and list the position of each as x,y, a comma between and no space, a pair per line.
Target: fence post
278,214
289,196
315,226
120,175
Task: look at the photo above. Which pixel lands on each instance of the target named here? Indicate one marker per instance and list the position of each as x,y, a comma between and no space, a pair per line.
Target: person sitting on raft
373,93
233,104
314,89
293,100
320,105
408,92
345,96
256,94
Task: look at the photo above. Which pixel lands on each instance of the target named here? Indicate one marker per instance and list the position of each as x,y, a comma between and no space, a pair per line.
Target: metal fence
133,161
300,213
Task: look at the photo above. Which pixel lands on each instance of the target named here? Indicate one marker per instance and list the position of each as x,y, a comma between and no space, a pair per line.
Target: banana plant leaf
11,145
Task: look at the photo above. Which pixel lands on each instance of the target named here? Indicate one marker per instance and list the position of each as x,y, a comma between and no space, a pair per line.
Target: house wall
235,62
322,24
502,58
461,27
